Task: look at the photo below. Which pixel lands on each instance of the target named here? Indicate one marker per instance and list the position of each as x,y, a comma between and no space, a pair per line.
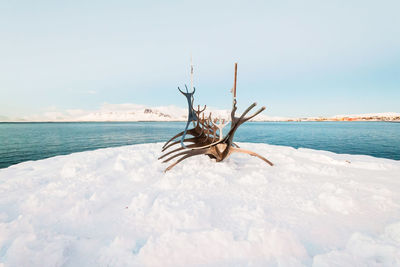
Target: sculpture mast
234,83
234,88
234,97
191,73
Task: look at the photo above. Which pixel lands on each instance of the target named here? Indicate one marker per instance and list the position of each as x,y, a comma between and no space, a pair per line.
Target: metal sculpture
192,115
204,139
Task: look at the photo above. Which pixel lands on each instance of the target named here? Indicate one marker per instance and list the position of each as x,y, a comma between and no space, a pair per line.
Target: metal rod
234,84
191,73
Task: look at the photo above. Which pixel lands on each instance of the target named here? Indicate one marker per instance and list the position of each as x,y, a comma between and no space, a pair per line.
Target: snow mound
116,207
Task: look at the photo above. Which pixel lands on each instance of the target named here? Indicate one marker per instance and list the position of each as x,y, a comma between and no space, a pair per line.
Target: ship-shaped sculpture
206,136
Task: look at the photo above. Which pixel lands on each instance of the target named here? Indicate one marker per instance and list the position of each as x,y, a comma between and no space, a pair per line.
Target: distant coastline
140,113
290,120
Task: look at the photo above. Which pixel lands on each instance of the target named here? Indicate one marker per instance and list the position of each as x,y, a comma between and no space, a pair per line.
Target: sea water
32,141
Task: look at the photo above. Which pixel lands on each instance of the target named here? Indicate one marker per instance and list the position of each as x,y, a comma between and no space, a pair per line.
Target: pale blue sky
299,58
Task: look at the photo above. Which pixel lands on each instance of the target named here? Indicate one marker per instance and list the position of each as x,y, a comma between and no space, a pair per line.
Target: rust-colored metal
204,139
234,83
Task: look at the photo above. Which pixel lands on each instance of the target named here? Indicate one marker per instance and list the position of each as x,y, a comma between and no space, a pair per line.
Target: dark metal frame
205,140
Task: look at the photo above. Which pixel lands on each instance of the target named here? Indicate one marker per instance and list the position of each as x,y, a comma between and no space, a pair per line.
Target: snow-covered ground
116,207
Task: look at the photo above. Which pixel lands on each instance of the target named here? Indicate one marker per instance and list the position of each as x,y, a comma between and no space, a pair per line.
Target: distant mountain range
133,112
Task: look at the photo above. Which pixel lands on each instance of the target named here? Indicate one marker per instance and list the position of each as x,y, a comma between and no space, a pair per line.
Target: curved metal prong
181,90
248,109
170,140
255,114
188,155
251,153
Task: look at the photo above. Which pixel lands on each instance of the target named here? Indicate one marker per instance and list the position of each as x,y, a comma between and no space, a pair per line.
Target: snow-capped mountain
111,112
128,112
140,114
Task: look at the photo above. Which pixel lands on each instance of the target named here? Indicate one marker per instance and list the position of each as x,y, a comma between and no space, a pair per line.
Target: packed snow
116,207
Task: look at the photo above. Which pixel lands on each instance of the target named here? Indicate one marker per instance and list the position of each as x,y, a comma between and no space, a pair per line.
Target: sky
298,58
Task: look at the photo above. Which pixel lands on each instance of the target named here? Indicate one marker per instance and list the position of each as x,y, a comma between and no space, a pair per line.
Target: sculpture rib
194,153
251,153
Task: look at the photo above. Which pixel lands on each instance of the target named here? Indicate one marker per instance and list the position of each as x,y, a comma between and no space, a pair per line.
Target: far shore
306,120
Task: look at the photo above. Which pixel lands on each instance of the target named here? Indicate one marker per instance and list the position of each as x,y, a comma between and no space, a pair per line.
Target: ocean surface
32,141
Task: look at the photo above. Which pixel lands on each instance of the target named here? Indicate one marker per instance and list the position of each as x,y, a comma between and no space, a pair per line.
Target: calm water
31,141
